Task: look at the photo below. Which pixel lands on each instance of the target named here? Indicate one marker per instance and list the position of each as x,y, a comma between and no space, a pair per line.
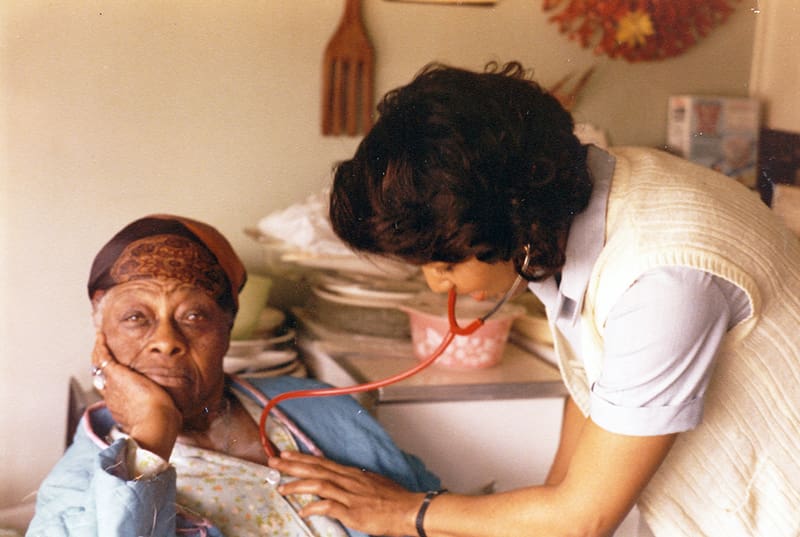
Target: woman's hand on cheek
359,499
142,408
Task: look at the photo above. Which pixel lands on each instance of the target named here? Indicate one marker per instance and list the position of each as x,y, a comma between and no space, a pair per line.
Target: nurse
672,293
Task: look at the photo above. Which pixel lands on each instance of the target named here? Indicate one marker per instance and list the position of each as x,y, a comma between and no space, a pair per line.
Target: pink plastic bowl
484,348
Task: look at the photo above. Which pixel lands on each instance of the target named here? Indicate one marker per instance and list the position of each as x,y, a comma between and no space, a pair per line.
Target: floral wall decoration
638,30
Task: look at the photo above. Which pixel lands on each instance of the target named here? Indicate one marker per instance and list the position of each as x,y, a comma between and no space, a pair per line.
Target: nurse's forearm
605,476
523,512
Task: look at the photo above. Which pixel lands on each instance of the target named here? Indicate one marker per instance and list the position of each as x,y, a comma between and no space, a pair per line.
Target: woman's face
173,333
479,279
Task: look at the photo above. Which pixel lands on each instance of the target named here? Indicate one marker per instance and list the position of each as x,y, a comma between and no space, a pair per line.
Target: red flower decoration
638,30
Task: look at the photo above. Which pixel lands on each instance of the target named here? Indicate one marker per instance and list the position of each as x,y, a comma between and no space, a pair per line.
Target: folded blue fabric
348,434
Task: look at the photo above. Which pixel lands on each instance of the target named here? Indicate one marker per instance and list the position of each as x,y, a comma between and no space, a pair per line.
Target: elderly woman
174,447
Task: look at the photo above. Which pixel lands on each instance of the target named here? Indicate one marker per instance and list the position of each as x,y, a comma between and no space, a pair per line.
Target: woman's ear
97,308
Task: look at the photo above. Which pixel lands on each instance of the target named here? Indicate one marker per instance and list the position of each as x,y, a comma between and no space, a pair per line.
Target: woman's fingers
310,465
319,472
359,499
101,354
329,490
101,359
108,375
136,402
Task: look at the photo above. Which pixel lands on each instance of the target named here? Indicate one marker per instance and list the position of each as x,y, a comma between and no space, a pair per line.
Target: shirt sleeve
661,340
83,495
137,462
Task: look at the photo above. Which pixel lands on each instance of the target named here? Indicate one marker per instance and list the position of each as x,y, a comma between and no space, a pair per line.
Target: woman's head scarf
171,247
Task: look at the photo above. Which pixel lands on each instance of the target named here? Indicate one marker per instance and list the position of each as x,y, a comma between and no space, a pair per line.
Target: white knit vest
738,473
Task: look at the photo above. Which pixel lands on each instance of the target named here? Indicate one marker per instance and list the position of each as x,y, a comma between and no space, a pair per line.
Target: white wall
112,110
775,76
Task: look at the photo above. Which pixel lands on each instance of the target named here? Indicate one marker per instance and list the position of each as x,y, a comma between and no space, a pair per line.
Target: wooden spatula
347,76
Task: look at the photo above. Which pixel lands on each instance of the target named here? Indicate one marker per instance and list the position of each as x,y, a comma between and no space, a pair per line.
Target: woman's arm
571,427
142,408
603,478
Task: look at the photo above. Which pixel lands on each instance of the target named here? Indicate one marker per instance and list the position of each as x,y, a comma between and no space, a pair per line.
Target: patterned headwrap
171,247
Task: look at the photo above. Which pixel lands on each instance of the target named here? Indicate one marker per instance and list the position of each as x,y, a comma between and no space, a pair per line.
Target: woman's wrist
157,435
419,520
141,463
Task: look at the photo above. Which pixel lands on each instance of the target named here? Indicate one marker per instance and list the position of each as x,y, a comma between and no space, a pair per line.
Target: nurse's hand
142,408
359,499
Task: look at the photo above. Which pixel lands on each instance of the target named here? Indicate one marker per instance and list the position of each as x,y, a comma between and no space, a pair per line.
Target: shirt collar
584,243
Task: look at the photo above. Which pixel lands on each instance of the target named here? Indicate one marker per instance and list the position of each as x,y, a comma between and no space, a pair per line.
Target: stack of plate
357,304
532,330
269,353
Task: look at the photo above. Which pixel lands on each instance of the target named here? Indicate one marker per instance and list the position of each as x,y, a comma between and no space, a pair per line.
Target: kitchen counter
521,374
514,408
348,359
505,419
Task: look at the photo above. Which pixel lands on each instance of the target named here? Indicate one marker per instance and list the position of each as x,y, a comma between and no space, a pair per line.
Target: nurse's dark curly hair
462,164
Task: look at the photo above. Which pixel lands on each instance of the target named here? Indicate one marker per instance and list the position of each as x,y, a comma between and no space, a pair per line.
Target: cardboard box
718,132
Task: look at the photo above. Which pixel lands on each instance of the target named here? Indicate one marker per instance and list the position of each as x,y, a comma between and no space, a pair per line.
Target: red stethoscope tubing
454,330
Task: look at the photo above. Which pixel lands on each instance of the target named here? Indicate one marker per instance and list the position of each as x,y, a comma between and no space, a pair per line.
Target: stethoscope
454,329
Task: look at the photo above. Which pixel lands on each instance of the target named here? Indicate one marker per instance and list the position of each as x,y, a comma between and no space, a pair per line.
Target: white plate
357,264
262,360
371,288
249,347
295,369
278,252
354,300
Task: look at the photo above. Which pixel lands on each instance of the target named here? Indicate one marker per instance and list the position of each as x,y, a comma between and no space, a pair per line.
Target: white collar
584,243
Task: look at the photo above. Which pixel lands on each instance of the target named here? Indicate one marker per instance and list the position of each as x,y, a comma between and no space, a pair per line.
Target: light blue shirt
660,339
